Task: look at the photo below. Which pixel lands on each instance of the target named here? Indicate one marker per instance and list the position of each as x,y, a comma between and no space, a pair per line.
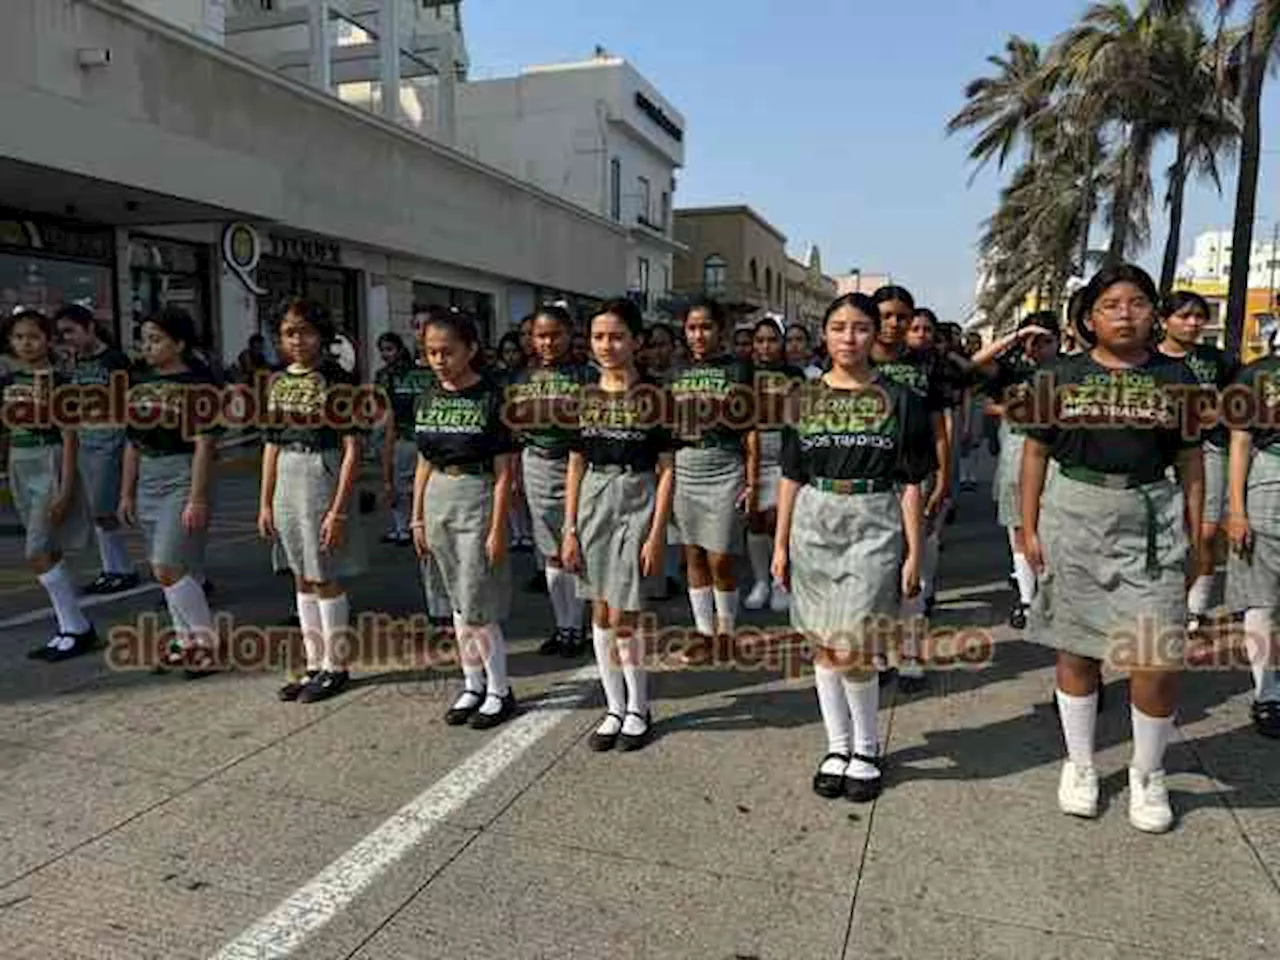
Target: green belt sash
847,488
1127,481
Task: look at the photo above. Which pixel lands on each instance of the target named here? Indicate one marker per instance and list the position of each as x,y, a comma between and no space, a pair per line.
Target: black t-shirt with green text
1214,370
1012,380
1262,379
1116,421
542,405
462,428
775,384
403,383
163,418
98,370
26,401
312,408
878,432
623,428
916,370
712,403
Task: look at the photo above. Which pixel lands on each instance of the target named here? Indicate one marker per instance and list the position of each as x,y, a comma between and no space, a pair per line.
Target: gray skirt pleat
305,484
1008,478
1114,584
1215,483
770,469
846,559
1254,581
457,511
164,487
708,481
101,463
614,517
33,481
544,492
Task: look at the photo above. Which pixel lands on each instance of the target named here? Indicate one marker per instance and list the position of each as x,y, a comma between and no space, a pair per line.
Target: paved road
144,816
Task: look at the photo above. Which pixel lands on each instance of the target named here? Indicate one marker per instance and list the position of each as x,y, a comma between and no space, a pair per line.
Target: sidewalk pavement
146,816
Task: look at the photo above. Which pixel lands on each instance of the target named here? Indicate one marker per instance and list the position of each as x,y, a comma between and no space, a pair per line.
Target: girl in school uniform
542,406
167,482
914,370
849,534
775,380
717,468
399,454
1183,316
1252,525
799,350
310,462
101,444
658,362
617,502
1109,538
44,479
461,499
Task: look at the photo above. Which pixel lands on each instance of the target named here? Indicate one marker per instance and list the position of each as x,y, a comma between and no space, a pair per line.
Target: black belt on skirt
853,487
1137,482
548,453
474,469
616,468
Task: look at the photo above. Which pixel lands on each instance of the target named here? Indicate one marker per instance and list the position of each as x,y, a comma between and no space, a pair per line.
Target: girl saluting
843,530
1109,536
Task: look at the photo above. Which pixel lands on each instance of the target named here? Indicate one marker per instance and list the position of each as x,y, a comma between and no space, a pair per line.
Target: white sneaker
1149,808
1078,790
779,599
758,596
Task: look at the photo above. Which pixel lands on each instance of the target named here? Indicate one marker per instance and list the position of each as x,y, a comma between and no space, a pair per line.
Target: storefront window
336,289
479,305
164,273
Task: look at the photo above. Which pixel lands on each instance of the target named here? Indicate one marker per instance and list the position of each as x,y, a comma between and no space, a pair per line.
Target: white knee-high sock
190,607
111,552
399,521
312,630
1079,718
631,652
702,603
495,664
335,623
834,707
760,551
470,646
611,678
1025,576
1258,626
1198,595
555,592
1150,738
66,602
573,605
726,604
863,697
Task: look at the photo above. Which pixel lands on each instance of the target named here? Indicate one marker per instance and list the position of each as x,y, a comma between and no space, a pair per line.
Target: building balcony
643,229
735,296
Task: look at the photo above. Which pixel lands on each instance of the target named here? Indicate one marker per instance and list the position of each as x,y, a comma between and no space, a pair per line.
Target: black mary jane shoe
635,741
829,786
487,721
83,643
1018,616
864,791
291,690
573,645
459,715
325,685
553,646
604,742
1266,718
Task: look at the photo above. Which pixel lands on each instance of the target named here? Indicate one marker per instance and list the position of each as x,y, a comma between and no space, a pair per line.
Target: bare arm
502,469
201,467
666,489
1190,467
787,490
1035,463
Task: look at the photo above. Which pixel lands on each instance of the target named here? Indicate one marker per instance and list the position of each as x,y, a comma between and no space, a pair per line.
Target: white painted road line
34,616
312,906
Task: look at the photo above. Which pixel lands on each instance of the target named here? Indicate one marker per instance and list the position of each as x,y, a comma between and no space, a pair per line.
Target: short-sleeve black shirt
915,369
28,406
161,412
1262,379
403,383
542,405
623,429
775,384
462,428
1128,421
1215,370
880,432
305,408
713,403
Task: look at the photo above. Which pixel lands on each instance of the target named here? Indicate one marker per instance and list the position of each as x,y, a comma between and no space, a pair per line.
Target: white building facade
1211,260
596,133
144,162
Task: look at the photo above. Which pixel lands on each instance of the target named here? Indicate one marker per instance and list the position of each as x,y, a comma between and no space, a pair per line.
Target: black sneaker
324,685
81,644
102,584
573,645
487,721
1018,616
554,644
537,584
291,690
117,582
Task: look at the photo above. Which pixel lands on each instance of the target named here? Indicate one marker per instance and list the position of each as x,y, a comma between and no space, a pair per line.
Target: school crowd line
625,454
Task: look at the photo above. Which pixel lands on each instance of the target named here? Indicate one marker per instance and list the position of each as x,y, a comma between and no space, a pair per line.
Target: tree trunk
1177,189
1246,195
1122,199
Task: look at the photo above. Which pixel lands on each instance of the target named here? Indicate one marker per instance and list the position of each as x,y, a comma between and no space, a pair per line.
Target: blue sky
828,116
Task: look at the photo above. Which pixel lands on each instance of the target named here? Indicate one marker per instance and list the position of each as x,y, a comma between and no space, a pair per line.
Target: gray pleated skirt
457,511
614,516
164,487
544,492
1114,584
33,481
1254,581
1008,478
305,484
1215,483
708,481
101,463
846,561
770,469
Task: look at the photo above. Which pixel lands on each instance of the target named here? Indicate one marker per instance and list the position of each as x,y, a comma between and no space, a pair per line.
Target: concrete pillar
389,42
318,26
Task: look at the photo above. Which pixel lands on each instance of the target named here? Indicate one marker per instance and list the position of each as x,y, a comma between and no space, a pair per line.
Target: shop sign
241,251
58,240
306,250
